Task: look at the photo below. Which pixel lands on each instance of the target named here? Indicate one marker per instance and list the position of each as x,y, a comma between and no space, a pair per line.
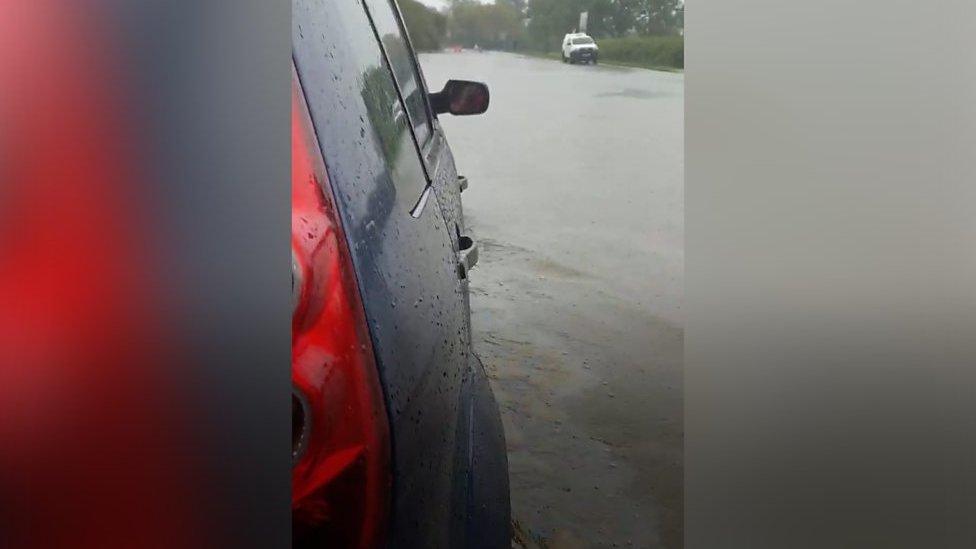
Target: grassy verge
555,56
661,53
645,51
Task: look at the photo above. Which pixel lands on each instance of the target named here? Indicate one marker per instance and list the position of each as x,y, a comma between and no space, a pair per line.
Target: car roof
577,34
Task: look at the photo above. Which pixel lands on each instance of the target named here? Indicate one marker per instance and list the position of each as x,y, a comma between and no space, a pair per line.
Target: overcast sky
436,4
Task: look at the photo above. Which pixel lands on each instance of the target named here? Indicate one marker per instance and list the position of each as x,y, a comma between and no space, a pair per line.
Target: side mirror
460,97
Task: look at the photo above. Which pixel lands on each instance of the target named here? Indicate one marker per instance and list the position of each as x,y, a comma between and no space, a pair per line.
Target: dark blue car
396,436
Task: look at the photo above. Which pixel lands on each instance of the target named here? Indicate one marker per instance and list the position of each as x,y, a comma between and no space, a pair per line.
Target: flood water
576,198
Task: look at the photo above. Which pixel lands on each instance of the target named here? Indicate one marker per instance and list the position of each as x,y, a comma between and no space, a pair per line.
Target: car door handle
467,255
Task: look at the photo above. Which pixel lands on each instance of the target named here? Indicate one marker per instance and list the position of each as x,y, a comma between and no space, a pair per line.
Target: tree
425,25
623,16
661,16
495,26
549,20
519,5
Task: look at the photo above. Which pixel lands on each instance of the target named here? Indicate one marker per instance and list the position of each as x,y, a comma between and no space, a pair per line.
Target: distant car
397,439
579,47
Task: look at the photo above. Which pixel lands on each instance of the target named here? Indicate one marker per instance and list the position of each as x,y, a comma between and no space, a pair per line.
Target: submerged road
576,197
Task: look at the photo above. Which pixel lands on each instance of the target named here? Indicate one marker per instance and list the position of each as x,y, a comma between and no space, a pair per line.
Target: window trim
415,67
419,148
421,80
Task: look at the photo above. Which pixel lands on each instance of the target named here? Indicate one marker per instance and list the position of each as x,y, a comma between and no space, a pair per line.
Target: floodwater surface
576,198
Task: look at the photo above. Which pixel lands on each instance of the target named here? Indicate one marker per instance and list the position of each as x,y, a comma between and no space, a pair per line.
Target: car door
435,152
402,249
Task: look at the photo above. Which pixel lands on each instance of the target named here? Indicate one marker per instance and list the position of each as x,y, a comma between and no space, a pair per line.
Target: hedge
646,51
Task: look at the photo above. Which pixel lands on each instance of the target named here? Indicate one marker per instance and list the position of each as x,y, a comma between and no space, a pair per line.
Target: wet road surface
576,198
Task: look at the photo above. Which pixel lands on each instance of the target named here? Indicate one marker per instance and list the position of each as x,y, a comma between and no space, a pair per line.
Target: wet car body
396,192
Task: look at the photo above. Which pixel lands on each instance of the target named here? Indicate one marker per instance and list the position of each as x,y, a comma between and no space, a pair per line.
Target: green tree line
427,27
643,32
492,26
549,20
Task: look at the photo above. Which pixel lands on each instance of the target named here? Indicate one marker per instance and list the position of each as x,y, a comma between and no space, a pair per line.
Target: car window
404,67
583,41
354,100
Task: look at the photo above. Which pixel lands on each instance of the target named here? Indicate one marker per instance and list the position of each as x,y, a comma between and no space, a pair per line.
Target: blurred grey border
210,91
831,273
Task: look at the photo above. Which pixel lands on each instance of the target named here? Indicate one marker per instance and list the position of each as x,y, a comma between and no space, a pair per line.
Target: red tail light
340,442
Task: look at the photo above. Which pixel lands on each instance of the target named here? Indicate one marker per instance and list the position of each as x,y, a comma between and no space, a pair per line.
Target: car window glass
361,65
404,68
